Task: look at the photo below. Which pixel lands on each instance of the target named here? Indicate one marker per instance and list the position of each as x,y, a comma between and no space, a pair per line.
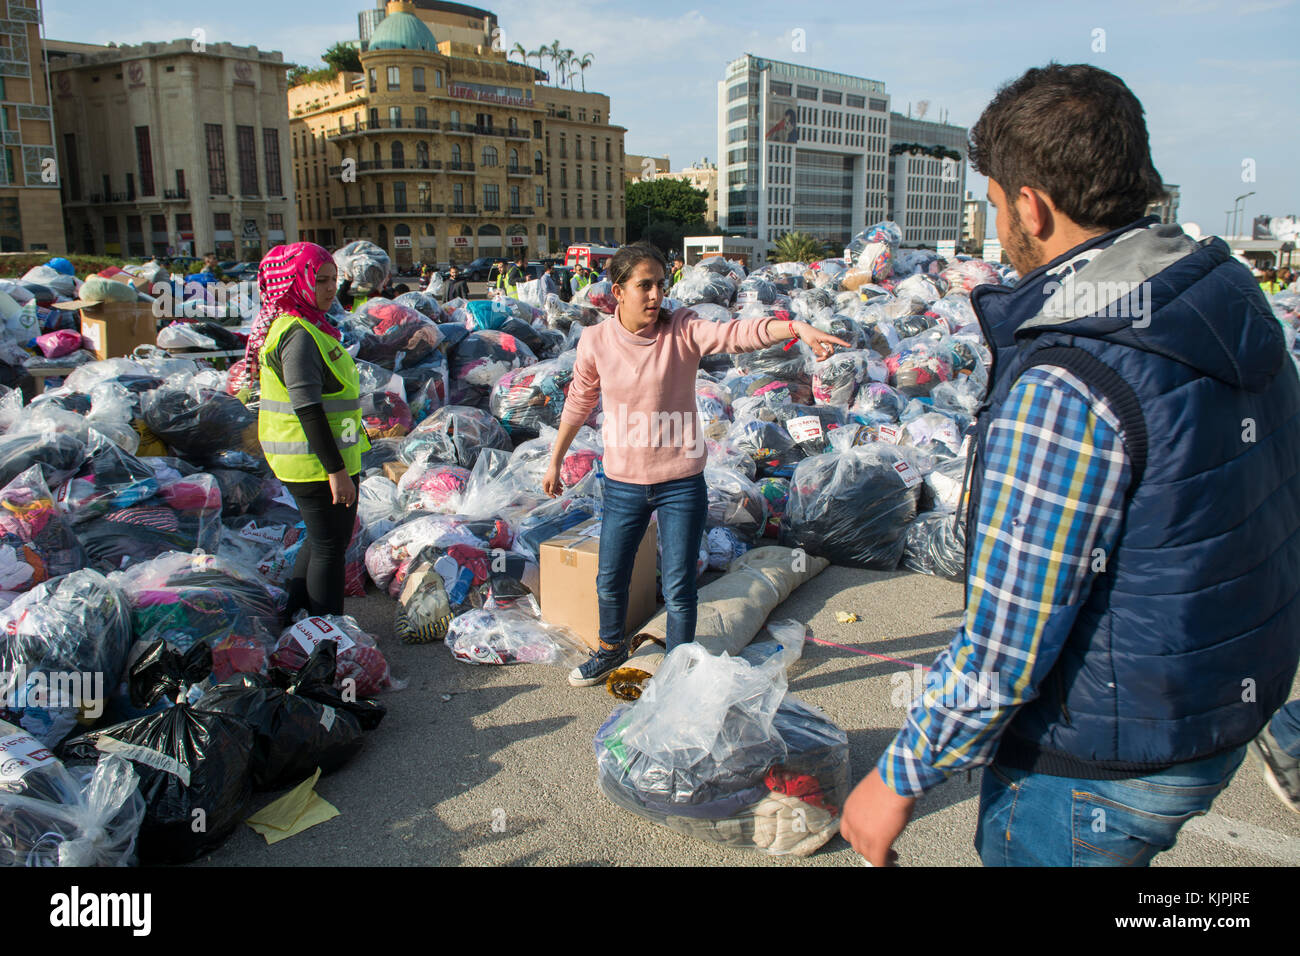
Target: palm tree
797,247
566,58
523,53
553,51
572,73
539,53
584,62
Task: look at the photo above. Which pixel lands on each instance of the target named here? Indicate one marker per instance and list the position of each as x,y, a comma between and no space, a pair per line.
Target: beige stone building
703,176
974,223
443,149
179,147
636,168
30,216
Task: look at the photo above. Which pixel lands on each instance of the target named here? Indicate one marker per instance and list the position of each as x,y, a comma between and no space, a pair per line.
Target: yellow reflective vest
278,429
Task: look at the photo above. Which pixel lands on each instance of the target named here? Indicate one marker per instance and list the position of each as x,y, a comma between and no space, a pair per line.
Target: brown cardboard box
568,581
114,329
394,470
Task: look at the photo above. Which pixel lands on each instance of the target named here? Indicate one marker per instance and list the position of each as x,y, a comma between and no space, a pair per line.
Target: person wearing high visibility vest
581,279
679,266
516,276
309,421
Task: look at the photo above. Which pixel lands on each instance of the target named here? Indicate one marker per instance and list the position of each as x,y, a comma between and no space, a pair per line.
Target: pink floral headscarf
286,279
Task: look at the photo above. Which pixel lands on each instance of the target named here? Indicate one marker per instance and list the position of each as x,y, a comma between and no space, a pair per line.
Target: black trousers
319,572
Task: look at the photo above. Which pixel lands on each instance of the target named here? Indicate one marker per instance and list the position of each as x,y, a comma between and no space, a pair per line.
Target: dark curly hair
1078,134
624,262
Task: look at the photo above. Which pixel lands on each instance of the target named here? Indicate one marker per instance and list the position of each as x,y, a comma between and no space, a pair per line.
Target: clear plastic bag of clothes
52,815
835,380
526,399
552,343
919,364
193,764
434,486
58,454
944,485
966,274
381,453
809,426
423,302
423,607
768,388
516,635
455,435
924,287
392,553
886,232
11,405
735,502
724,546
936,544
561,315
713,406
717,749
768,444
793,365
292,733
598,296
395,334
75,626
184,515
36,543
479,361
379,507
198,423
853,507
360,664
934,433
523,330
953,312
700,284
725,455
961,396
554,517
776,491
386,415
756,289
364,263
878,402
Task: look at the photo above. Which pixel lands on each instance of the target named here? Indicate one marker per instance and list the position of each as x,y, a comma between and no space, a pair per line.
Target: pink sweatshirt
646,384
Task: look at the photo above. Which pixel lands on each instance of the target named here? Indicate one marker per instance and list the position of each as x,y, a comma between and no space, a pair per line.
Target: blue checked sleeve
1055,476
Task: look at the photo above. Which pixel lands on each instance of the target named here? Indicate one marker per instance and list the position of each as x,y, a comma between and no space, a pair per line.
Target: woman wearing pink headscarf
309,418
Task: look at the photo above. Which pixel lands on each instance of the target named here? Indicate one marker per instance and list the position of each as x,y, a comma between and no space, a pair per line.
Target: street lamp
1227,218
1235,221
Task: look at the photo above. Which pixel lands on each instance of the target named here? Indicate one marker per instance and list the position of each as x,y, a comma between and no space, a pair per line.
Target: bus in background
589,255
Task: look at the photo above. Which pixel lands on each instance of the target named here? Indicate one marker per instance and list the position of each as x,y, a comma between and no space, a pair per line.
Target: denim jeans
683,506
1285,728
1031,819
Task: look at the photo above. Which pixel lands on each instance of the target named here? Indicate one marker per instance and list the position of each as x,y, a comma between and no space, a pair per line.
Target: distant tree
584,62
296,73
343,58
797,247
663,211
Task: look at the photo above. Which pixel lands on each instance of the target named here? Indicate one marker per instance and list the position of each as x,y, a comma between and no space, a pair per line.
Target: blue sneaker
599,666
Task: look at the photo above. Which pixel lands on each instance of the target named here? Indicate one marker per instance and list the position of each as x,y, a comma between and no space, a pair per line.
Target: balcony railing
371,126
521,210
385,165
460,167
519,133
463,209
176,194
520,171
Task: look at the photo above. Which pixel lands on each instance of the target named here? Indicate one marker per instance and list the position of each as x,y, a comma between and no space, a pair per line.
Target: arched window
455,154
537,163
514,159
489,155
399,156
377,153
422,155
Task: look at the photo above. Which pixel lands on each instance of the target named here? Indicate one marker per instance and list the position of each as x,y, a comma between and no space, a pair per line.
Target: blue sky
1220,80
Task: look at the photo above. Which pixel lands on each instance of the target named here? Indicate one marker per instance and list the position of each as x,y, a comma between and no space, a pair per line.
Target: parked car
477,271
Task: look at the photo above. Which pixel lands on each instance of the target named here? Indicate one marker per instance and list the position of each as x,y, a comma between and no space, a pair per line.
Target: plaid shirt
1054,482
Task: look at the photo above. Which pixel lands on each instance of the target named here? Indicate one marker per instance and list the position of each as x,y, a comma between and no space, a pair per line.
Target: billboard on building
782,120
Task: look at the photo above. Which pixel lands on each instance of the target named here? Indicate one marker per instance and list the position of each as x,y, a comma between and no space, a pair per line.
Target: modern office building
30,216
974,223
927,180
167,148
800,149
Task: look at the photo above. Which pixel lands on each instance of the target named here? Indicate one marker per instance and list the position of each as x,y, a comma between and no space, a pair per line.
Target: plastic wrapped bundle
73,625
792,365
953,312
192,764
396,335
756,289
934,433
552,343
700,284
36,543
735,502
875,263
455,435
810,426
936,544
51,815
58,454
364,263
768,444
426,385
724,546
916,262
966,274
878,403
713,405
725,455
776,491
382,452
926,288
189,599
917,366
770,389
361,666
198,423
853,507
515,635
393,552
810,303
828,274
434,486
717,749
421,302
598,296
560,314
183,516
886,232
835,380
526,399
479,361
293,734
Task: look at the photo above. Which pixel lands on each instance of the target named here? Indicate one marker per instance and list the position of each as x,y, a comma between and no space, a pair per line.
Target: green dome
402,31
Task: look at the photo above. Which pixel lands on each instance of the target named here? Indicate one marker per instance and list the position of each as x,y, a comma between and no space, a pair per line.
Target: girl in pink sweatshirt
642,364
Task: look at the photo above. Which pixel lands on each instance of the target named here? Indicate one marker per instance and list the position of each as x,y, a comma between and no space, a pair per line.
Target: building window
489,156
221,222
274,221
395,117
399,197
564,207
394,78
437,79
578,172
374,83
537,129
246,152
216,159
514,198
458,195
579,207
74,168
417,79
564,148
539,199
421,118
609,209
271,149
455,155
537,163
564,177
491,197
144,159
577,147
180,184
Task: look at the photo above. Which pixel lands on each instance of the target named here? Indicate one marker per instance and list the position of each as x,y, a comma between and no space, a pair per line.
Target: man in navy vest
1133,525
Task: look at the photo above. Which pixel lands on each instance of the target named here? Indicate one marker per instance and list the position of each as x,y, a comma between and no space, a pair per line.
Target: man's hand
874,816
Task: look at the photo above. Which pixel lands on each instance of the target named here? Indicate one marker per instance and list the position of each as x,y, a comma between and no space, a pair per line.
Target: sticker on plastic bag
889,433
20,753
310,631
942,320
907,473
150,758
805,428
327,715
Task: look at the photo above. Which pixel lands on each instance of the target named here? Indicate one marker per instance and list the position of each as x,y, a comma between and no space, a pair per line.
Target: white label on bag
327,717
943,321
269,534
907,473
310,631
805,428
20,753
150,758
889,433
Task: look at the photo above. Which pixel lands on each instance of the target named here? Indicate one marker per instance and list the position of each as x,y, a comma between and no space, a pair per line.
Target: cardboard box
394,470
114,329
568,581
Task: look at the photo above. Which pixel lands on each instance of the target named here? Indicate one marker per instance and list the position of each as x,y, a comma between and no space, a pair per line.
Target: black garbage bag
292,734
936,544
197,424
853,507
194,765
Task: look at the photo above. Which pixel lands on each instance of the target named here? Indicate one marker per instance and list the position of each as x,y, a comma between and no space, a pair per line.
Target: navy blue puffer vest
1189,638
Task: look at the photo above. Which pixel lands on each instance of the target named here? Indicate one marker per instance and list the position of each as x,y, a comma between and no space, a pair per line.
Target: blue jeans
1110,822
683,506
1285,728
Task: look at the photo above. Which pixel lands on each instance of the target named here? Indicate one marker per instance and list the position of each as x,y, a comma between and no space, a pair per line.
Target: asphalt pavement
493,766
